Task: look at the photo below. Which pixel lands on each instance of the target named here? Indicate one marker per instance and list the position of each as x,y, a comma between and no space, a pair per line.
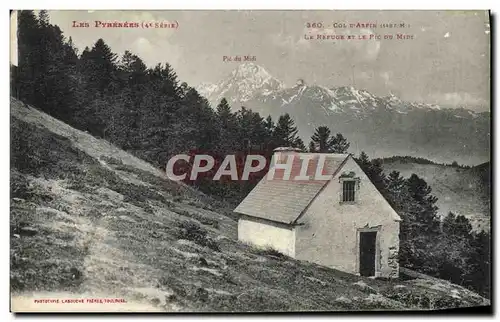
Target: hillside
90,220
464,191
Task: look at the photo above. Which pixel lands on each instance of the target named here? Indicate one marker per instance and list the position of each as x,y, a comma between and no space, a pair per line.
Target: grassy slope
458,190
88,219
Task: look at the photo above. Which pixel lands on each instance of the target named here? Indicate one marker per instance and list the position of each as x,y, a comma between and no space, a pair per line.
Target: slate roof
284,200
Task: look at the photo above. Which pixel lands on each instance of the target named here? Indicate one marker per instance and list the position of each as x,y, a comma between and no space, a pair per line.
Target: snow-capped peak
393,98
206,89
250,70
243,83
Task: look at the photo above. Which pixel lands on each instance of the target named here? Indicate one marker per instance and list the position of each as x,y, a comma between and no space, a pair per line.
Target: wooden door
367,250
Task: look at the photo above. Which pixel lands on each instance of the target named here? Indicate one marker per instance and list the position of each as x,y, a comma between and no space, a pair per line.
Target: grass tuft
192,231
269,251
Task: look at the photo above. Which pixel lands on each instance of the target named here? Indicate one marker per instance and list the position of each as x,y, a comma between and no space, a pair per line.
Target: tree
223,109
480,261
298,143
195,112
46,80
395,190
321,141
170,86
374,171
312,147
458,226
285,132
363,161
28,55
377,175
229,130
269,126
131,63
453,249
43,18
227,120
339,144
134,74
101,67
427,212
251,127
70,55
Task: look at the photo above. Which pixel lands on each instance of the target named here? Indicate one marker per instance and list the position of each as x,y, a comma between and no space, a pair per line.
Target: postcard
250,161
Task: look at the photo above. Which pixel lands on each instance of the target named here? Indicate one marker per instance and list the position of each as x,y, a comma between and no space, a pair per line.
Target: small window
348,190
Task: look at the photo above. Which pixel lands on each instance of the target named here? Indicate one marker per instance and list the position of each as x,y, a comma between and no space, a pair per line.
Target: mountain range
379,125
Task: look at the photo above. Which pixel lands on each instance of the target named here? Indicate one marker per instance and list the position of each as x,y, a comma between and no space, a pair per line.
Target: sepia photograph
250,161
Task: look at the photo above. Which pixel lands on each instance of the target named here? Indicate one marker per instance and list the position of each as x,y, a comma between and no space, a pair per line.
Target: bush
192,231
19,186
269,251
202,219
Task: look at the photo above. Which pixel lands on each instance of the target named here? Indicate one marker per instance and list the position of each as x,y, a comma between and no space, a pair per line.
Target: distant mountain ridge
463,191
380,126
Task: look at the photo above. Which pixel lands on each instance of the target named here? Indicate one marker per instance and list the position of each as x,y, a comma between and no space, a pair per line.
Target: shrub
202,219
192,231
78,185
19,186
269,251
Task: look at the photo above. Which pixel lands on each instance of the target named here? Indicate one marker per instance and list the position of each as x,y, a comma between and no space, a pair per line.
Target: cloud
141,44
289,42
303,43
386,77
365,75
359,50
458,99
370,47
153,53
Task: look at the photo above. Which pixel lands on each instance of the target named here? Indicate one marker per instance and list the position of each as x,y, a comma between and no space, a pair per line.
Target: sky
446,62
